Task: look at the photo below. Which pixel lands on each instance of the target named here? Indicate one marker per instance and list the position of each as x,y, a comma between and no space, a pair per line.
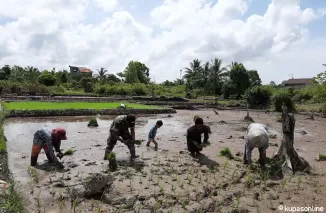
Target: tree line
234,81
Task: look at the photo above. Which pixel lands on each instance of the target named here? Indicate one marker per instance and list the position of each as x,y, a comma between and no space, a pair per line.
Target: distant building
80,72
297,82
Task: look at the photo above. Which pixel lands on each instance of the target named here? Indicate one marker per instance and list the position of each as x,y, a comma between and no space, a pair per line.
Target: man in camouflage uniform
119,131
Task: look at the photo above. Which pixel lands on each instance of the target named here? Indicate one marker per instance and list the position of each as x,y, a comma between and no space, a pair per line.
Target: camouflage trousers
112,141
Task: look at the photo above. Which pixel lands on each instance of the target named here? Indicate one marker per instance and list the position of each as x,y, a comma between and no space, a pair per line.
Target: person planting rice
48,140
194,143
119,131
257,137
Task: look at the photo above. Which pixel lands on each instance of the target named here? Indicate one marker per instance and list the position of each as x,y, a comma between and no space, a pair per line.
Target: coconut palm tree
102,73
191,72
217,74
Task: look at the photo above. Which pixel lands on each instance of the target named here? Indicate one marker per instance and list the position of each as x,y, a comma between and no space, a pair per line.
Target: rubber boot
49,158
34,161
133,153
106,155
262,159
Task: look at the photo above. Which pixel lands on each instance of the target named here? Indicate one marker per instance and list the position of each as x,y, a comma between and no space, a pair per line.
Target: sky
278,38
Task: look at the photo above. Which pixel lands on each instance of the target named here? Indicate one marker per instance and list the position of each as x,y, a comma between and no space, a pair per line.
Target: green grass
11,200
3,146
226,152
316,107
321,157
68,152
34,105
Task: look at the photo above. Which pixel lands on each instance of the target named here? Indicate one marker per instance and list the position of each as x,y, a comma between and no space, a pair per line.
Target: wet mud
169,179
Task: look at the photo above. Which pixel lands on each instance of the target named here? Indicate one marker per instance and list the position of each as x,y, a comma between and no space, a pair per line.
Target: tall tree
240,79
102,73
136,72
5,72
272,83
32,73
321,77
217,74
112,78
254,78
18,74
192,73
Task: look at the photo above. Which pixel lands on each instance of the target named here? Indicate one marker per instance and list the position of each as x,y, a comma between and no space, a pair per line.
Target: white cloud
107,5
53,34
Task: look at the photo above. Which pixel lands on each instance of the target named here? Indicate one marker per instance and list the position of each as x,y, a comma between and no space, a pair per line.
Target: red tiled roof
84,69
298,81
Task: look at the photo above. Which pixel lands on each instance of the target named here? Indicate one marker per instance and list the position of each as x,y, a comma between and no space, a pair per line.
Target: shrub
226,152
87,84
321,157
139,89
47,79
75,85
100,90
283,98
258,97
37,88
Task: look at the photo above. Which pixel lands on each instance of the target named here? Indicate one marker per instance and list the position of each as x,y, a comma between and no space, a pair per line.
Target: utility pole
291,75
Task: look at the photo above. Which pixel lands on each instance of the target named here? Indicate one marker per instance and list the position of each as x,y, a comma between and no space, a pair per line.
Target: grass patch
11,200
3,146
34,105
139,142
273,136
93,122
226,152
68,152
316,107
321,157
279,118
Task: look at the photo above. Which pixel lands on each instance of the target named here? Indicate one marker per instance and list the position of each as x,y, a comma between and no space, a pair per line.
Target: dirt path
168,179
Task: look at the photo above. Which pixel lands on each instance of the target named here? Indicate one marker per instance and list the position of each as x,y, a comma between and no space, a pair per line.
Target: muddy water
89,143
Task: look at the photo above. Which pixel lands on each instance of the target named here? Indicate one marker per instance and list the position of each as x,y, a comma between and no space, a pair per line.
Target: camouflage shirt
120,124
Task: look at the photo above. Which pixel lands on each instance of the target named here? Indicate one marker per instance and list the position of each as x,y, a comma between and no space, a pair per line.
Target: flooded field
167,180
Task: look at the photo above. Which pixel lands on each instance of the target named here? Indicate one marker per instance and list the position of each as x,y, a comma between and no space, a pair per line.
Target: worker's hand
60,155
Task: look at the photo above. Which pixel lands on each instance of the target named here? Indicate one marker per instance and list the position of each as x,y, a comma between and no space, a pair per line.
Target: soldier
119,131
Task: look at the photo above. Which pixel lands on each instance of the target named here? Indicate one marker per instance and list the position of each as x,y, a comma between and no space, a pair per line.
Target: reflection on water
89,143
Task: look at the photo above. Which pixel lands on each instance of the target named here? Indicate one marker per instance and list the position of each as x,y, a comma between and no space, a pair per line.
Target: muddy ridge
81,112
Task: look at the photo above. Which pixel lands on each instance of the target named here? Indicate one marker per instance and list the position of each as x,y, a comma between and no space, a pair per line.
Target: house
80,72
297,82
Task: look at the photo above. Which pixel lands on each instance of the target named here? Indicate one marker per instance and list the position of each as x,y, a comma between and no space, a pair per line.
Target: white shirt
257,135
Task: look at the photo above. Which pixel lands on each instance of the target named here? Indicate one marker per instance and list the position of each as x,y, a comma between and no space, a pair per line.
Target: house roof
294,81
82,69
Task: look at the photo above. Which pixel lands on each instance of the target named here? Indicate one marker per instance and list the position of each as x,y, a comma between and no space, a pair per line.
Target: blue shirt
152,133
